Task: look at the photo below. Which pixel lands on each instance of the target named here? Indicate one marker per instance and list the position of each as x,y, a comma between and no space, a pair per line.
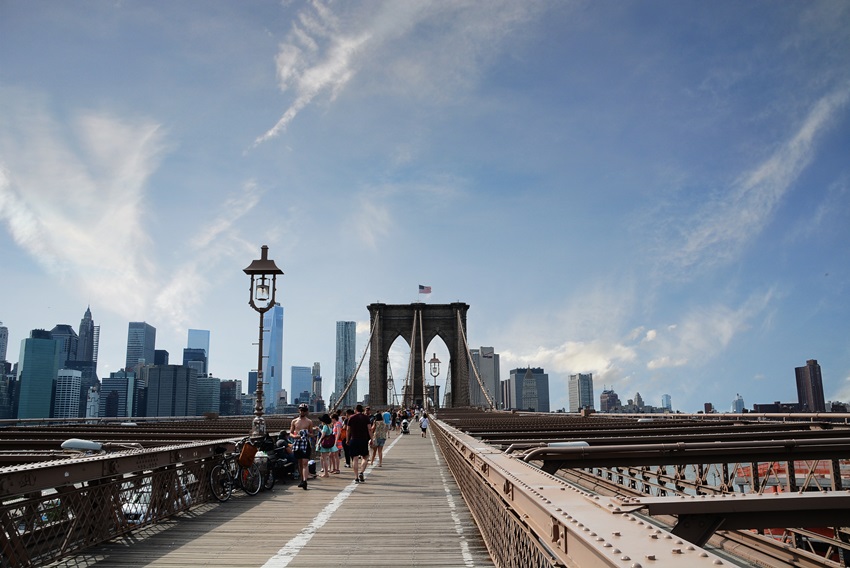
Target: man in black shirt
358,440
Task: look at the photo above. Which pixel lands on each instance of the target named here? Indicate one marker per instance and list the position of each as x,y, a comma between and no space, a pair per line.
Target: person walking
379,433
346,449
358,442
301,432
336,426
423,424
326,444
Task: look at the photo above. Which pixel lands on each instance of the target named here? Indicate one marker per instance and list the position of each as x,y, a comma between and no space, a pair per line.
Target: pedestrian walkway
407,513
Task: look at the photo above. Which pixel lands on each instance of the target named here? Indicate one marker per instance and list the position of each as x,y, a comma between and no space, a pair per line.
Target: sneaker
360,477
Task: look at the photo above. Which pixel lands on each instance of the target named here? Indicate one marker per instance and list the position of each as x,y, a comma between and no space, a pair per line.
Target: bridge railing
53,509
528,517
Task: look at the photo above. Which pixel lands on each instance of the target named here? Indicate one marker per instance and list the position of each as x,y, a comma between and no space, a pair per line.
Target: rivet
650,557
677,551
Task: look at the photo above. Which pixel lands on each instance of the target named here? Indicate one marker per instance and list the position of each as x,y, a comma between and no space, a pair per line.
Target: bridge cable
474,368
353,377
408,379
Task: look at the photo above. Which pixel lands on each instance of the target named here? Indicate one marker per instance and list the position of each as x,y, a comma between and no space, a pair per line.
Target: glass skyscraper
199,339
346,336
302,381
486,360
141,338
581,391
38,365
273,354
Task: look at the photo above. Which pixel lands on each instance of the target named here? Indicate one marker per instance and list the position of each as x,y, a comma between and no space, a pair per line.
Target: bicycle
230,473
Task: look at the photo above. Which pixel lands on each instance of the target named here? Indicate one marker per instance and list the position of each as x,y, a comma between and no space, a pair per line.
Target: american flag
424,289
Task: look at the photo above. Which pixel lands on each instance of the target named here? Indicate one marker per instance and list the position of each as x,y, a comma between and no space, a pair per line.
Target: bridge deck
408,513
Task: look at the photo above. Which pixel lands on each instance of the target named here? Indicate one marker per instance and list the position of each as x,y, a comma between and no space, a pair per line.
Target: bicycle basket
246,456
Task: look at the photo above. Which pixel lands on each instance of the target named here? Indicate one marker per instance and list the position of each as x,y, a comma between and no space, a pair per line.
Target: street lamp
263,273
435,371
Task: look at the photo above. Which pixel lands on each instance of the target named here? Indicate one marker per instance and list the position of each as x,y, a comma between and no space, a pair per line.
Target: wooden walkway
407,513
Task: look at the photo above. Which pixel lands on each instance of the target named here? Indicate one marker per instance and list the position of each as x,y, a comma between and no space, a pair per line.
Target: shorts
424,428
359,448
302,454
379,442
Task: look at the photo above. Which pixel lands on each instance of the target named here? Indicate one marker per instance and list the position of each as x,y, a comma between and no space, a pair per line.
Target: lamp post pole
435,371
263,273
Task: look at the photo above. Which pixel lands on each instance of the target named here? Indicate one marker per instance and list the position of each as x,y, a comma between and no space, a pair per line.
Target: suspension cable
474,368
422,359
408,378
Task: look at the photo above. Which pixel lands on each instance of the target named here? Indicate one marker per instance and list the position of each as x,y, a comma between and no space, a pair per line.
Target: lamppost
263,273
435,371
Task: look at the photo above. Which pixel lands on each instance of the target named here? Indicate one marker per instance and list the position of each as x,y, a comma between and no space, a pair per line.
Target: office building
581,391
172,391
810,387
200,339
252,382
38,365
195,358
141,340
346,337
66,400
89,337
119,395
4,341
208,399
667,402
273,352
160,357
68,341
317,380
518,393
738,404
229,398
302,384
486,360
609,401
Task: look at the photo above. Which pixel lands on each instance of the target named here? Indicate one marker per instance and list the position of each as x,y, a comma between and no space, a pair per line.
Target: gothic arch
390,321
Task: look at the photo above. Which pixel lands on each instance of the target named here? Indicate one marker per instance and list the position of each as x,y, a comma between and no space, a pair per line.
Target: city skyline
654,193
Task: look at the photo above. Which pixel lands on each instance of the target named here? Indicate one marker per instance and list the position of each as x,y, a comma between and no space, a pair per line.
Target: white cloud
726,225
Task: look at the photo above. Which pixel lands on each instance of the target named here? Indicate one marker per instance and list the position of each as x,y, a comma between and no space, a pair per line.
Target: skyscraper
581,391
200,339
302,382
609,401
66,401
346,337
272,353
68,342
738,404
515,390
141,340
666,402
118,395
172,391
38,365
195,358
486,360
317,380
810,387
88,338
4,341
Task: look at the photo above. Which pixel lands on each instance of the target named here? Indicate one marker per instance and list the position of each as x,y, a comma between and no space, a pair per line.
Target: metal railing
54,509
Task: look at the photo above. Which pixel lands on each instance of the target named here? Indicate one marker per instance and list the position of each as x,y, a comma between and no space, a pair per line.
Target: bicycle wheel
250,479
268,479
221,482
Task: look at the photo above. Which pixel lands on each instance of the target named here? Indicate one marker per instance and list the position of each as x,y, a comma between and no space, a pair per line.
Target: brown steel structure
418,324
544,489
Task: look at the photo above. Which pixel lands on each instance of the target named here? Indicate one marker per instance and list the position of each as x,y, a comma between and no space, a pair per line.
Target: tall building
810,387
486,360
208,398
346,337
302,384
200,339
317,381
273,352
515,389
666,402
252,382
738,404
172,391
581,391
609,401
229,397
38,365
160,357
141,339
66,400
89,336
4,341
68,342
119,395
195,358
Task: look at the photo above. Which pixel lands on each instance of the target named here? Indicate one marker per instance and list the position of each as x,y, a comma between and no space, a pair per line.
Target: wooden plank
400,516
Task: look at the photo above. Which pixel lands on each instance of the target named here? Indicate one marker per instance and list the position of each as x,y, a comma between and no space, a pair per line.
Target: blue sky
654,192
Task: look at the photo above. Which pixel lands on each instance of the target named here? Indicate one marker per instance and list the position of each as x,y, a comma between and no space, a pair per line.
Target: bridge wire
422,360
408,378
357,370
474,368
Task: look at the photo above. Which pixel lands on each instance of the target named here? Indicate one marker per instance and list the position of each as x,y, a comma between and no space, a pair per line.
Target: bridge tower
389,321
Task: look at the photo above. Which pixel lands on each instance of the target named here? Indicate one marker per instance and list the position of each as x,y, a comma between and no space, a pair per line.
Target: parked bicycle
237,469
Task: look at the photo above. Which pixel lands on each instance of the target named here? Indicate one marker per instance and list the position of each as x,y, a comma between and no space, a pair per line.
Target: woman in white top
423,423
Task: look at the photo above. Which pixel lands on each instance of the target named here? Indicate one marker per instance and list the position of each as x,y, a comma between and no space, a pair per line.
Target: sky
654,192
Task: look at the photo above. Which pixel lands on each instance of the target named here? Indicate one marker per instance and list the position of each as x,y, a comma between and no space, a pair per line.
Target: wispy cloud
73,198
726,225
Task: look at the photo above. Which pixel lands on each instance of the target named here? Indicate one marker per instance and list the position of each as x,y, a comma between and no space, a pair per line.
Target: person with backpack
326,444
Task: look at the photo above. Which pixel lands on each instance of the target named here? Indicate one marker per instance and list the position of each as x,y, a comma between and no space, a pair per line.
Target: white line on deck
464,544
291,549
